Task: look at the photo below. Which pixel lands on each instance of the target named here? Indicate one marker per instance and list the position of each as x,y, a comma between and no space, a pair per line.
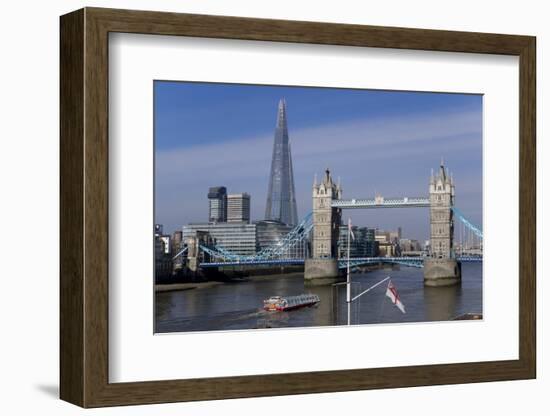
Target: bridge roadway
354,262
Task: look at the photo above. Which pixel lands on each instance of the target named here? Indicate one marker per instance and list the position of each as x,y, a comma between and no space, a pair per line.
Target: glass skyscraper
217,197
281,199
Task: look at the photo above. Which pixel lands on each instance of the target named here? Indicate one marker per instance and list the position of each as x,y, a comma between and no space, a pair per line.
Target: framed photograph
255,207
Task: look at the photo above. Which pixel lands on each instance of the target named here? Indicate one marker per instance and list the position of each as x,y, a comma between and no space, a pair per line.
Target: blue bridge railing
277,254
417,262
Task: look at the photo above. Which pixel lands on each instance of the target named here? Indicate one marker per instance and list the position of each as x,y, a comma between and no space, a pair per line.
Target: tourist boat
287,303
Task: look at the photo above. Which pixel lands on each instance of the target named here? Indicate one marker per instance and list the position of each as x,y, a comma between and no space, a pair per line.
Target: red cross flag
391,292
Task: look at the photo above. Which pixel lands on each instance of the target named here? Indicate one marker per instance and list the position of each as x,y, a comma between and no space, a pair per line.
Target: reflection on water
239,305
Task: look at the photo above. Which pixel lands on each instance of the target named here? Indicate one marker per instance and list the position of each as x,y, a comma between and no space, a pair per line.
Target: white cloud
378,154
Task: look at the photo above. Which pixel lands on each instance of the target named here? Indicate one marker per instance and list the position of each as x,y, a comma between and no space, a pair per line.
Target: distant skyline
383,142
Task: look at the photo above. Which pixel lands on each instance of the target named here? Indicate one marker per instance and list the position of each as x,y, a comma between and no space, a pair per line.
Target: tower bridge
442,267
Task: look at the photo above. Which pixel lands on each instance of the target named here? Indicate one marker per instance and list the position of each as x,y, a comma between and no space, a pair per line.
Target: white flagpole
370,288
348,285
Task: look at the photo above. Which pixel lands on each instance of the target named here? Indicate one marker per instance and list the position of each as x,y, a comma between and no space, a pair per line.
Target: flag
350,230
391,292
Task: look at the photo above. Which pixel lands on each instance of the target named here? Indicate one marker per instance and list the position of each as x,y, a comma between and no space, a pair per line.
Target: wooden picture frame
84,207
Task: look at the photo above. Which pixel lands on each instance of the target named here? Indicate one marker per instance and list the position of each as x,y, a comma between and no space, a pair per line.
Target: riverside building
238,208
217,204
364,244
247,239
238,237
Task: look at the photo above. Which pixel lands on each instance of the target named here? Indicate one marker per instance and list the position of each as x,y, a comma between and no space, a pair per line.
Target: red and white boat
287,303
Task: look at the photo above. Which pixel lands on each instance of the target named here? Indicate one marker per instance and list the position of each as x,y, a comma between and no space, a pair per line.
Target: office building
387,249
273,233
177,246
410,247
382,236
371,245
217,204
238,208
270,233
356,248
238,237
163,259
395,235
388,236
363,245
158,229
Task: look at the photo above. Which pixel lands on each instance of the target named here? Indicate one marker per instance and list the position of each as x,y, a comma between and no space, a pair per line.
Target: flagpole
370,288
348,284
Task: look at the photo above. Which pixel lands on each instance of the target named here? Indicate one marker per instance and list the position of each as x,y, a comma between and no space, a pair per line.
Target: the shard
281,197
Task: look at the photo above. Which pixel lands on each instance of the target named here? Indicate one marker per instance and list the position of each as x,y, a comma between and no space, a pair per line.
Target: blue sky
209,134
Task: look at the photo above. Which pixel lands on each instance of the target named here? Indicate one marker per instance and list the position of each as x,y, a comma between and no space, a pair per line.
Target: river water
238,305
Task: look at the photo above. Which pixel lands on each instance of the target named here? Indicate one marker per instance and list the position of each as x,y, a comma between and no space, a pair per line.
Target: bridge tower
195,256
322,267
441,267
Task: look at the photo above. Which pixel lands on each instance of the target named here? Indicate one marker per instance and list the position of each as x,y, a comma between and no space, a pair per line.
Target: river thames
238,305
